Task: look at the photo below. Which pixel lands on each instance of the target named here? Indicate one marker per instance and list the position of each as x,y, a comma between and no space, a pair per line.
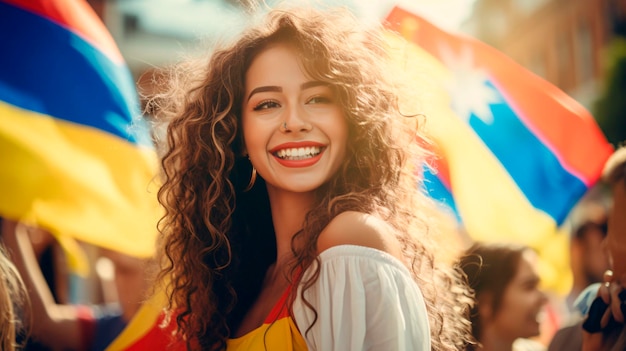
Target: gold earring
252,180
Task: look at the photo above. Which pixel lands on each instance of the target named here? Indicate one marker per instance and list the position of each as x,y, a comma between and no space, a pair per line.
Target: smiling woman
293,216
508,299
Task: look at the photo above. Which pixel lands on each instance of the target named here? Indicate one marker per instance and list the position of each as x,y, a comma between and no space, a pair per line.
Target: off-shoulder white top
365,299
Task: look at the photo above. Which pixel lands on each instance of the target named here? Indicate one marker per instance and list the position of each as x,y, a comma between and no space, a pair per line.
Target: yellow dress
278,333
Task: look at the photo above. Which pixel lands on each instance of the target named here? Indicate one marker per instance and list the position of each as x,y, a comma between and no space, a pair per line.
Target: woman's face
294,130
522,302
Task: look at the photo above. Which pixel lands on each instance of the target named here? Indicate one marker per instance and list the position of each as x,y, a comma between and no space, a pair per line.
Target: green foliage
610,108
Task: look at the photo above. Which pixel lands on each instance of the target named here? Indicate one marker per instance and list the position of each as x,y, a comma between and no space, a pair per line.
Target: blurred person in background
508,301
59,326
588,261
588,255
603,328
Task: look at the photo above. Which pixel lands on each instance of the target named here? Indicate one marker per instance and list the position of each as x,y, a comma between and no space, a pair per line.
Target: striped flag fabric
515,152
76,157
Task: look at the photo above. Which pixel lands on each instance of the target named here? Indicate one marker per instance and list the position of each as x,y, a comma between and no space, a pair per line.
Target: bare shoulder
362,229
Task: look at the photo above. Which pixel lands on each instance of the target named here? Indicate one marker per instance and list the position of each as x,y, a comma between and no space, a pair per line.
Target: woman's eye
320,99
266,104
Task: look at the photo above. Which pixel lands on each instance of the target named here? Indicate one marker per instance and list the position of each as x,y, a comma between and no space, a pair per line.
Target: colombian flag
516,153
76,158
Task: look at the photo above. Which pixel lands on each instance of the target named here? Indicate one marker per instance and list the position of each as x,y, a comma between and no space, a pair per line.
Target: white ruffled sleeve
365,300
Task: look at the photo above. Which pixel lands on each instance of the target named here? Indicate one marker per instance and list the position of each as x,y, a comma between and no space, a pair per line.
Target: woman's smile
298,154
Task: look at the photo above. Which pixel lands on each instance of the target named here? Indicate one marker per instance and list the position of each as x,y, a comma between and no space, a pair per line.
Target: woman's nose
295,120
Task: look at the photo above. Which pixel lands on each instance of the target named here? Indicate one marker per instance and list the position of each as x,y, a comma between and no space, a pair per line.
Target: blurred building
155,33
560,40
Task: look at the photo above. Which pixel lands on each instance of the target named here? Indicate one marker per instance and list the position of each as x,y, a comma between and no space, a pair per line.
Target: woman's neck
288,212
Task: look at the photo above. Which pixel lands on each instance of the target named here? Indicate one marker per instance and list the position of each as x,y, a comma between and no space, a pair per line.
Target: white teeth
298,153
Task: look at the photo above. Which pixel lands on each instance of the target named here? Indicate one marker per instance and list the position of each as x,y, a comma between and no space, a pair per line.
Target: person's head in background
588,255
12,300
508,300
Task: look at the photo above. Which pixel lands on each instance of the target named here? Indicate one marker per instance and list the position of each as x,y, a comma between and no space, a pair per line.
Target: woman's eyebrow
272,88
312,84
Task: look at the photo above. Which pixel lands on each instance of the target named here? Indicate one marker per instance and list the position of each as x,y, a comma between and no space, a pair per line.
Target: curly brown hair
13,303
219,240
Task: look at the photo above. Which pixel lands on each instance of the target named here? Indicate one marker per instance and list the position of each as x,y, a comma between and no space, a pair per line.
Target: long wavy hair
14,304
218,239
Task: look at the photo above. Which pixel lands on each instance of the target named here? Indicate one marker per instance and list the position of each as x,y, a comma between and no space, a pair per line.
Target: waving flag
516,152
76,159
